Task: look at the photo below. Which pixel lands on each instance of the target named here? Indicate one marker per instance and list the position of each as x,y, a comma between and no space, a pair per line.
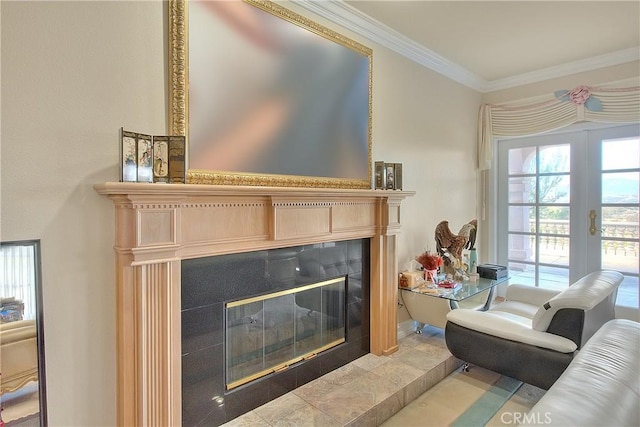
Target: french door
568,204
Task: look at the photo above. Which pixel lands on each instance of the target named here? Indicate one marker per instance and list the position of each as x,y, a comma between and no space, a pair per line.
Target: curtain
562,108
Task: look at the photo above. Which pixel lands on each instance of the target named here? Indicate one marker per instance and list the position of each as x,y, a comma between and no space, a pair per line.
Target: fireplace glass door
268,333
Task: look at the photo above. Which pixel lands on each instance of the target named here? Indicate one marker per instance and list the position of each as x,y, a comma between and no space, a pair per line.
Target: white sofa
601,386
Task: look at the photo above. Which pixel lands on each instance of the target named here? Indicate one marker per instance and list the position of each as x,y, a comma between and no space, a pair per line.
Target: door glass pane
522,190
522,247
620,187
620,154
620,221
522,218
554,250
554,220
522,160
620,255
523,274
554,189
555,159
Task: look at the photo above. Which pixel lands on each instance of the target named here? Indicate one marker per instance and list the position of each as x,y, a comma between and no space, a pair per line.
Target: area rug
483,409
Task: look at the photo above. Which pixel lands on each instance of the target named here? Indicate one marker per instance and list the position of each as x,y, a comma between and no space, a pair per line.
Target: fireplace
161,228
257,325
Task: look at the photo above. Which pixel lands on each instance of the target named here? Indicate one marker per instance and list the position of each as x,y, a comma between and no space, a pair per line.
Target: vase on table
473,260
431,275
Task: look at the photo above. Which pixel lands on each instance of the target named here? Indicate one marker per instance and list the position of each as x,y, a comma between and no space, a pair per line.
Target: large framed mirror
22,363
268,97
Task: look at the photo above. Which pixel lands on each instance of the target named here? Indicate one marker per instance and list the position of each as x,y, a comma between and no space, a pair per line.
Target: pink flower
579,95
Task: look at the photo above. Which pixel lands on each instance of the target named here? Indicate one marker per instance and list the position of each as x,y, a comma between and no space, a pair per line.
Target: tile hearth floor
366,392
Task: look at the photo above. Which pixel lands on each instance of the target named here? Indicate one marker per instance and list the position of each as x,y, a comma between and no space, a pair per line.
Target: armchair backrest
593,297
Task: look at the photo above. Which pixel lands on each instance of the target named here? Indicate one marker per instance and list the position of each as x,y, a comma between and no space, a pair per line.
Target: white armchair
532,336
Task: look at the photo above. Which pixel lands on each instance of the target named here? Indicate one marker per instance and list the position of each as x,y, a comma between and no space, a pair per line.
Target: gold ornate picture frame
311,127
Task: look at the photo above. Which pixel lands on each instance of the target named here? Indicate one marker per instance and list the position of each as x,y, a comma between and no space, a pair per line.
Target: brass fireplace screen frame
305,356
319,154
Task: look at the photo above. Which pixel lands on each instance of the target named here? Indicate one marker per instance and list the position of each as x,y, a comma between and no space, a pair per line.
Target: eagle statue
450,246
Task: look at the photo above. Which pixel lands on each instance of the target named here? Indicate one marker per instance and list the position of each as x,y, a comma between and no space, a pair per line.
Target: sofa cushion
518,308
584,294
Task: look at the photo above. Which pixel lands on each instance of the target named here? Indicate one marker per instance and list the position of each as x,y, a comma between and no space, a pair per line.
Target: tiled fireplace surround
160,225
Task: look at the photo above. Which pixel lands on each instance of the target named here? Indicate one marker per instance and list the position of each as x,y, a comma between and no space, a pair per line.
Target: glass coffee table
429,305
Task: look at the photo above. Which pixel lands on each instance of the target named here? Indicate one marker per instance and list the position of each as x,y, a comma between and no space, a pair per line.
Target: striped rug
478,398
483,409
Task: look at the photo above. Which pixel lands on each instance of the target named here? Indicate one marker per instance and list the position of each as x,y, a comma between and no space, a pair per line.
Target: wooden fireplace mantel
158,225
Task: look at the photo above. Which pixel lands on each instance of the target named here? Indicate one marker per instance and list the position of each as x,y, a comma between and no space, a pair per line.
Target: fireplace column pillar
149,345
384,277
148,306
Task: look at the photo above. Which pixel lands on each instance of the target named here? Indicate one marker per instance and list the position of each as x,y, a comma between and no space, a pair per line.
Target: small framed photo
380,173
177,170
391,176
128,156
397,172
145,158
160,159
136,152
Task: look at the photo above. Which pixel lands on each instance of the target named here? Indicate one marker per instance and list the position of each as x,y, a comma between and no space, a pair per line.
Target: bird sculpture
450,246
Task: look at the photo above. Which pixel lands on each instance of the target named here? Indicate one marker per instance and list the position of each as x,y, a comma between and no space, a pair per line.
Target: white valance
563,108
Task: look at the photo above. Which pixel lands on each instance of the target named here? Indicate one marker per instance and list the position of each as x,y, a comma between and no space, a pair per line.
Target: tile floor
403,389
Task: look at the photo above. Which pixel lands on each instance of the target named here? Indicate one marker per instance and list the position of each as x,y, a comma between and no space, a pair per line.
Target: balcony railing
618,237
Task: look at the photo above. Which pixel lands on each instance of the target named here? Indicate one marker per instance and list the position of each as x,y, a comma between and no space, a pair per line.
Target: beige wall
73,73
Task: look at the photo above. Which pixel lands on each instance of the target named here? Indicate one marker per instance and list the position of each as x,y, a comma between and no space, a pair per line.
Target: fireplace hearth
160,226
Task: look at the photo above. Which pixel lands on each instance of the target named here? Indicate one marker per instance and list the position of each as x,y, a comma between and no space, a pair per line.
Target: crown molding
362,24
588,64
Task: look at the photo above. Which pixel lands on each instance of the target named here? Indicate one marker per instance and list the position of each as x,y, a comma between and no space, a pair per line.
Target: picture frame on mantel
387,176
136,152
161,159
257,103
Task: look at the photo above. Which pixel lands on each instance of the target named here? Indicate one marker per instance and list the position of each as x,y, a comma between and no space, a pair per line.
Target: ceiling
496,44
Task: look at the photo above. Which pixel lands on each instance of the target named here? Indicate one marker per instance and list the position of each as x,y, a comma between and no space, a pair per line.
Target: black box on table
492,271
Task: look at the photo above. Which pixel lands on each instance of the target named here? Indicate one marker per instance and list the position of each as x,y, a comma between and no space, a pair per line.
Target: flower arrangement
429,261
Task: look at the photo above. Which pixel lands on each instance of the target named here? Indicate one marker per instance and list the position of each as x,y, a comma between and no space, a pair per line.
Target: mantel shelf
160,189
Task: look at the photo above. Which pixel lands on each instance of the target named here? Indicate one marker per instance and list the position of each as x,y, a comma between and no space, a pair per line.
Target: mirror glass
272,97
22,374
